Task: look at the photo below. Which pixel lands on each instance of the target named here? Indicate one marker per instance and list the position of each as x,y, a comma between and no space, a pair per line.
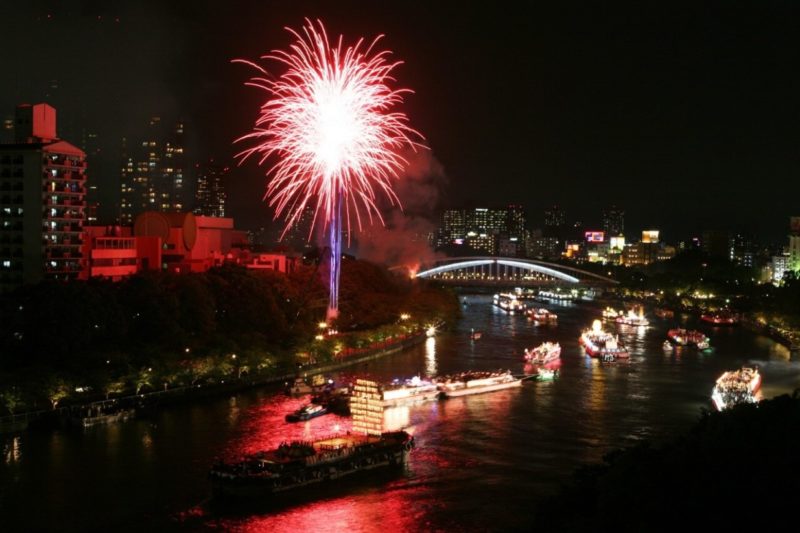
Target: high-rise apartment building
210,194
152,172
482,228
555,223
794,243
614,222
42,201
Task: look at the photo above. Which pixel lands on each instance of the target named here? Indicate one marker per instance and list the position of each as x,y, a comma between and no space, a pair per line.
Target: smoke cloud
404,240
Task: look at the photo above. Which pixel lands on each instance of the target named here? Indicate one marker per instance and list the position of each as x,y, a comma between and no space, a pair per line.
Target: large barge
299,464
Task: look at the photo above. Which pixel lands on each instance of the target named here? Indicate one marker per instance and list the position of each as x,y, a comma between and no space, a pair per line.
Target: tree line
158,330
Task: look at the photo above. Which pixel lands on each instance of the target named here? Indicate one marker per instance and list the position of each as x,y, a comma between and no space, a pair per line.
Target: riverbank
107,411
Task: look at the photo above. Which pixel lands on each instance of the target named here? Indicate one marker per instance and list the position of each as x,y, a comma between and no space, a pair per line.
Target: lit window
7,264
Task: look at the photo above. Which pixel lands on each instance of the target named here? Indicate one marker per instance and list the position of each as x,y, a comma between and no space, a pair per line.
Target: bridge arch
558,272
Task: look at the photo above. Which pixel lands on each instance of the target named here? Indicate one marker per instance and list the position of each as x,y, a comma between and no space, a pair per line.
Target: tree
142,378
56,390
113,386
11,399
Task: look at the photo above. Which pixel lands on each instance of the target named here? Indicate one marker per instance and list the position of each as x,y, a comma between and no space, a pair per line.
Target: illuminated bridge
508,271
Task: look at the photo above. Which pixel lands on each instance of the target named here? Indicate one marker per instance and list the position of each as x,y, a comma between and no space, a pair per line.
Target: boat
299,387
546,374
335,400
297,464
301,463
736,387
546,353
409,391
97,417
703,345
556,295
662,312
601,344
720,318
633,319
686,337
307,412
474,382
542,315
609,313
667,346
508,302
474,335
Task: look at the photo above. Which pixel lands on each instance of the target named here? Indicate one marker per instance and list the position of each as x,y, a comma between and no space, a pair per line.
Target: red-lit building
178,242
42,202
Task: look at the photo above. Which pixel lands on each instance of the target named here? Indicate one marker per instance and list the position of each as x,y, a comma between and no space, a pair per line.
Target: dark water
482,462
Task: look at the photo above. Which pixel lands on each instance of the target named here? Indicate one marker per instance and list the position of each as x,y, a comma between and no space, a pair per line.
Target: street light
405,316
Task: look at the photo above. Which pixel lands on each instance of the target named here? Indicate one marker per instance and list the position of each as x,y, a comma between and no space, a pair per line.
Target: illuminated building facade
614,221
485,229
540,247
717,244
794,243
177,242
650,236
42,202
210,195
152,172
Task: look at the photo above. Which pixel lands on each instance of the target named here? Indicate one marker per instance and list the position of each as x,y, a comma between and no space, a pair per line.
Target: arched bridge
508,270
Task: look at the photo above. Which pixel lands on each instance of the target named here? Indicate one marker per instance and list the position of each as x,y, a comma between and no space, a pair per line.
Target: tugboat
736,387
307,412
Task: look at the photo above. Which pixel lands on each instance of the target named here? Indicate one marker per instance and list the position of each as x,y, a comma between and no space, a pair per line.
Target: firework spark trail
328,120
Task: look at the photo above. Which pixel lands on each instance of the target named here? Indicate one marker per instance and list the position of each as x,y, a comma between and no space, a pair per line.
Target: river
481,462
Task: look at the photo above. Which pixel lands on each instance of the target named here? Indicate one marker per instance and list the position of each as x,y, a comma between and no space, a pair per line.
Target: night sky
684,115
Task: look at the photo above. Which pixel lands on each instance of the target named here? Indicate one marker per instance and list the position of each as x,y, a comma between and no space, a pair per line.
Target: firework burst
329,123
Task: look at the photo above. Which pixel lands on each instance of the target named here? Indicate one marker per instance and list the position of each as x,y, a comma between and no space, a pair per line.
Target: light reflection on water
482,462
431,368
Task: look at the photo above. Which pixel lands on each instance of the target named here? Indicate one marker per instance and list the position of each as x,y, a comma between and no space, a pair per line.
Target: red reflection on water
265,427
379,510
389,500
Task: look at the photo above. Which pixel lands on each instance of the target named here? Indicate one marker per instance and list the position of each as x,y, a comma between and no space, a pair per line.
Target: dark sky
685,114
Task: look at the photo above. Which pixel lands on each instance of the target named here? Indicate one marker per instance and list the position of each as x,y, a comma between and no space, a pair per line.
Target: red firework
329,121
